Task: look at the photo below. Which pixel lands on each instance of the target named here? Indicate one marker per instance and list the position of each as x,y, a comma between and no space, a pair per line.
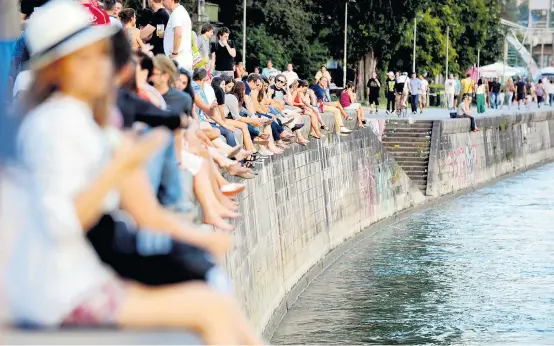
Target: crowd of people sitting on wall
127,141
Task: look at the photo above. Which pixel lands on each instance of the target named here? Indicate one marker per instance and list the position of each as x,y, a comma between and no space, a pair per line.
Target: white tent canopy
497,69
547,70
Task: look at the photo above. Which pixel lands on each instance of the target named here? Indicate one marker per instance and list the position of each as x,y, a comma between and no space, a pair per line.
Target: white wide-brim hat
60,28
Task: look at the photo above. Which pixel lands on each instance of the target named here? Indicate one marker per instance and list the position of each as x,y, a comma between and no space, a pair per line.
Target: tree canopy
308,33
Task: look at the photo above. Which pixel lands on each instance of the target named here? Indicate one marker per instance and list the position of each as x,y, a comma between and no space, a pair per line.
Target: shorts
374,99
100,308
353,106
520,97
423,99
455,96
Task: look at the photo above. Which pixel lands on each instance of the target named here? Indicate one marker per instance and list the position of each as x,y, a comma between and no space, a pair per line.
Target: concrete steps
409,144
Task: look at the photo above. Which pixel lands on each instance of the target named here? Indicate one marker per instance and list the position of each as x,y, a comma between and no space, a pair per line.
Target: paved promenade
443,113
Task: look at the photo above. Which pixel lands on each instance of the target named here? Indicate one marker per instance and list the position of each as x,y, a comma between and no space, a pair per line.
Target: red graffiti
463,163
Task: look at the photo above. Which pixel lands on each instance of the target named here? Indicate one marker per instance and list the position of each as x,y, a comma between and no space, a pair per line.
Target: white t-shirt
450,86
210,93
52,267
179,18
548,87
291,76
423,86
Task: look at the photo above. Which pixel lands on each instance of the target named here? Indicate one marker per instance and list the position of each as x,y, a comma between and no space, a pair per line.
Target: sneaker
387,112
285,121
345,130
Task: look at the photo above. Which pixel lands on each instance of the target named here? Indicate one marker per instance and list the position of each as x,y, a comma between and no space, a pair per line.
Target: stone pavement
434,113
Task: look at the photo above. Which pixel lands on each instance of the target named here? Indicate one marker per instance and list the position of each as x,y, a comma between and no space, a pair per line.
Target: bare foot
237,169
215,220
243,154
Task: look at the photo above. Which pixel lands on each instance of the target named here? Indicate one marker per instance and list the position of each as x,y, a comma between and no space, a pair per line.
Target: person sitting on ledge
465,112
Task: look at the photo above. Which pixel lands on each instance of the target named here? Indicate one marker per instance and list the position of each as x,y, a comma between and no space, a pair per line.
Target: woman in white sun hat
53,276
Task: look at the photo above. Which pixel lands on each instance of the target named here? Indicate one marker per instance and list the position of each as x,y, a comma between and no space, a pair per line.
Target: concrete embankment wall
303,204
310,200
460,159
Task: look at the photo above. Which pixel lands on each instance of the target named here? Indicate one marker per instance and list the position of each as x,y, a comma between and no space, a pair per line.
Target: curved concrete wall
461,159
303,204
312,199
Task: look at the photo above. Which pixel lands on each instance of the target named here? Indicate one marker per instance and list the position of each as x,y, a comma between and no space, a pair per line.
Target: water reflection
479,269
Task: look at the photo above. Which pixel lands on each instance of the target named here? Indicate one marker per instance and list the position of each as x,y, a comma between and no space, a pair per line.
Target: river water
476,270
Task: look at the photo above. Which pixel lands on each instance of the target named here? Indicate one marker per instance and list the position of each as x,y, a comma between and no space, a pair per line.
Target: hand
257,122
213,105
218,244
132,151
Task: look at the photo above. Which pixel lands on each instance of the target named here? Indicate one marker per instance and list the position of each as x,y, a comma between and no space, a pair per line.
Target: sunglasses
281,81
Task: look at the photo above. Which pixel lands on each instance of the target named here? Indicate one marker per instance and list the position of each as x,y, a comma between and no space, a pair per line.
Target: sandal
348,118
314,136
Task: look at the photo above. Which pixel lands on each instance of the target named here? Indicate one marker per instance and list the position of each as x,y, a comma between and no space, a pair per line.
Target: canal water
476,270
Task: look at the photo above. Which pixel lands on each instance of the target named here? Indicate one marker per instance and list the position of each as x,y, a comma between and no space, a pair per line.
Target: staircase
410,144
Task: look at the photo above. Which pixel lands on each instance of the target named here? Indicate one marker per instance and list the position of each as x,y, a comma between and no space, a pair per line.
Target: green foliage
309,32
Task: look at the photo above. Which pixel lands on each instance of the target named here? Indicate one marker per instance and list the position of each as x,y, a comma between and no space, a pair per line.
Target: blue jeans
228,134
274,111
494,100
551,99
415,102
254,132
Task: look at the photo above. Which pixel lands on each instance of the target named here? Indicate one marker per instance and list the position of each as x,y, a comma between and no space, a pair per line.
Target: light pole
244,34
447,42
345,41
414,53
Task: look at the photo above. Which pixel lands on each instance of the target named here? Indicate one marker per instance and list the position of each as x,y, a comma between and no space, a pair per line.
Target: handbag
116,241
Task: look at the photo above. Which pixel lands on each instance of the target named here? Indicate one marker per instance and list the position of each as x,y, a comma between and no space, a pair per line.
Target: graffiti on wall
463,163
374,186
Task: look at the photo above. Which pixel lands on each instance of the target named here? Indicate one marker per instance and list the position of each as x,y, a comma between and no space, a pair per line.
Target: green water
477,270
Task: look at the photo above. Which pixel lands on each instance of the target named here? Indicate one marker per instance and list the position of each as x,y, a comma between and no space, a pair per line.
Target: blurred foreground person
81,170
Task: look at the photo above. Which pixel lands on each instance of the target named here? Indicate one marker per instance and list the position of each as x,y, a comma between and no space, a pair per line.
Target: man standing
495,90
290,75
449,90
423,88
109,7
177,40
156,27
270,70
224,53
414,87
373,91
204,46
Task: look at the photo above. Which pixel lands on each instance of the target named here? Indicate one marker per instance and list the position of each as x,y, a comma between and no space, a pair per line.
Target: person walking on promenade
423,89
548,91
464,111
467,86
495,91
414,86
539,91
458,89
480,96
390,87
510,87
520,91
373,91
449,90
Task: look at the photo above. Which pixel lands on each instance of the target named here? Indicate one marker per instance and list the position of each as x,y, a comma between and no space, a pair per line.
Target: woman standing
510,88
129,19
481,93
